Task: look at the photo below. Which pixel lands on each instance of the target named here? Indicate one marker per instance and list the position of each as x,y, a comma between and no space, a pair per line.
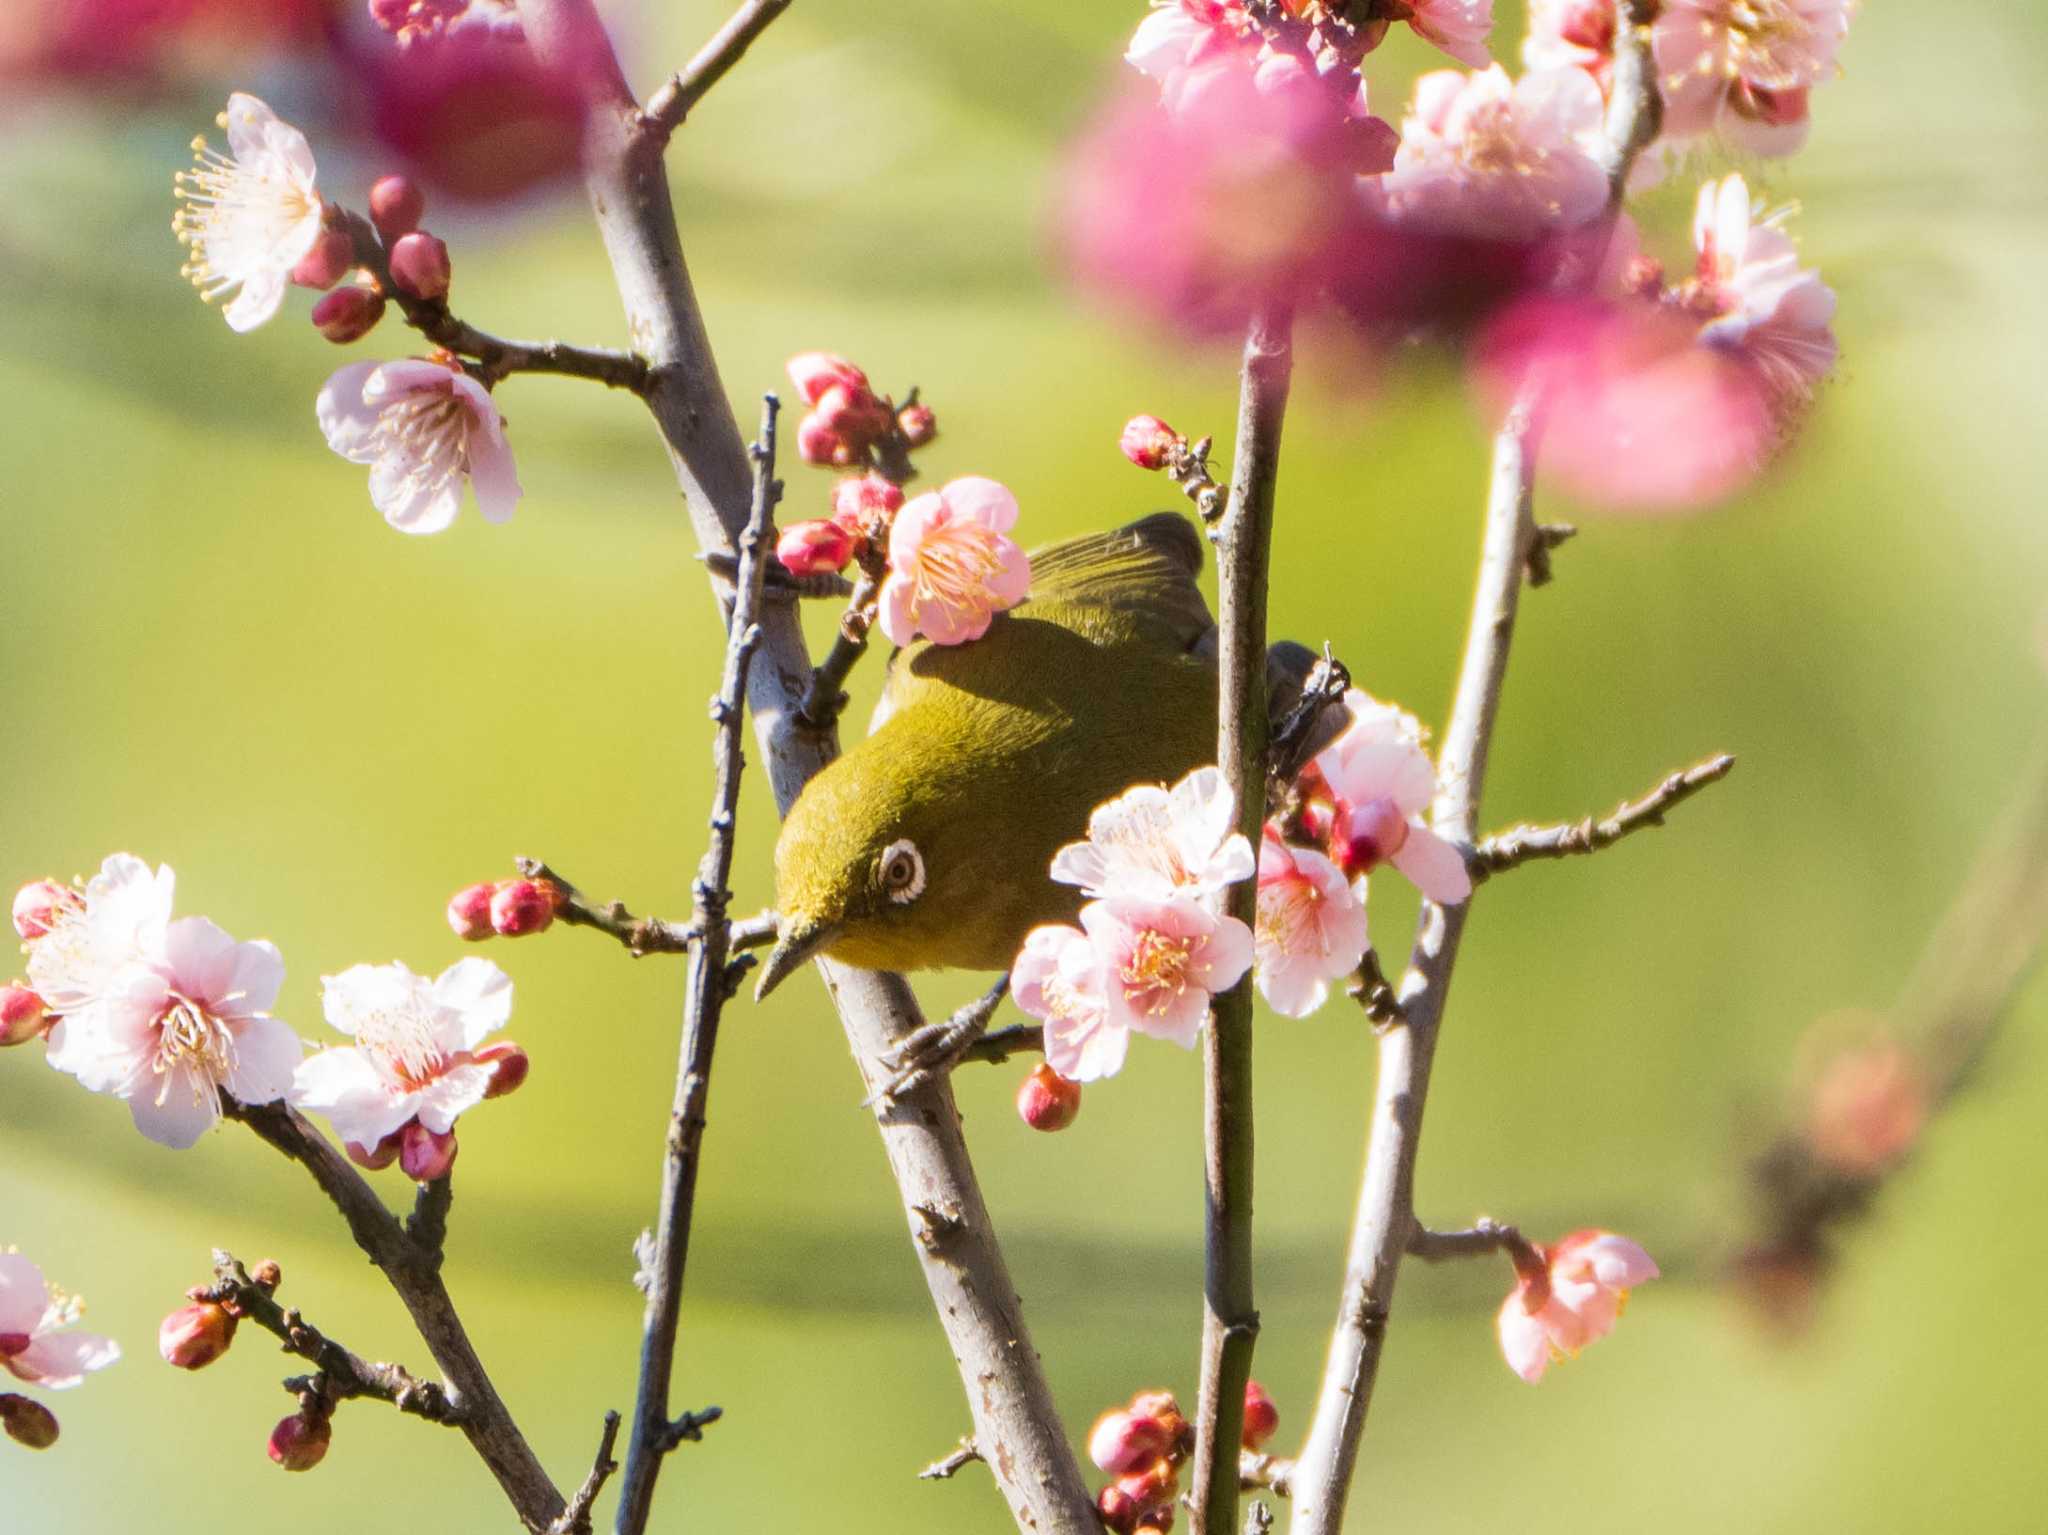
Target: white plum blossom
1492,158
164,1015
1761,302
1311,928
1383,781
37,1342
1060,979
250,216
414,1051
425,429
1154,843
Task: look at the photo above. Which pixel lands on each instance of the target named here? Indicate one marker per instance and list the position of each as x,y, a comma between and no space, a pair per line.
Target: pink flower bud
1048,1101
1123,1441
22,1015
425,1155
509,1065
37,907
396,206
374,1158
1589,24
27,1421
815,372
809,548
1163,1406
1869,1107
469,911
1119,1510
854,414
420,266
818,443
192,1337
1261,1417
327,262
864,503
1148,442
299,1443
522,906
1362,837
348,314
917,424
1152,1484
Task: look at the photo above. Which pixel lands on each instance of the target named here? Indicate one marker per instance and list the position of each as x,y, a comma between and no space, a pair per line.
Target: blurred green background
218,656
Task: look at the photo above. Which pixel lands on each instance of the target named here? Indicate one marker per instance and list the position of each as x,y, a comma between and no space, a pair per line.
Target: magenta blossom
1163,961
426,430
1575,1300
1311,928
952,565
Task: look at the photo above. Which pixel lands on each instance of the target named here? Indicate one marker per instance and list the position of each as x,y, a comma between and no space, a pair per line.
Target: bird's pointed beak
800,940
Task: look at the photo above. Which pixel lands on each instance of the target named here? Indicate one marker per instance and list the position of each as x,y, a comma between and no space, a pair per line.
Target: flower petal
267,1055
976,498
23,1295
175,1109
479,994
1433,866
347,420
57,1361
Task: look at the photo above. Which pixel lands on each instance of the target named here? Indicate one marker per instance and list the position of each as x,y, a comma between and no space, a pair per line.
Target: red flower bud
818,443
522,906
1161,1405
424,1155
810,548
469,911
1124,1441
854,414
509,1065
27,1421
396,206
22,1015
1152,1484
374,1158
37,907
863,504
1261,1417
348,314
420,266
1119,1510
917,424
192,1337
1048,1101
327,262
1148,442
299,1443
815,372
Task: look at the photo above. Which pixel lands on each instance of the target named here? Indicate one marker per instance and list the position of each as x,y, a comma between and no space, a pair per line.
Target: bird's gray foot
930,1052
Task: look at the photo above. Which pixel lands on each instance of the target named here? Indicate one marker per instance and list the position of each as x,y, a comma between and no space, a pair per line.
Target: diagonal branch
575,1519
640,936
667,107
654,1434
1524,844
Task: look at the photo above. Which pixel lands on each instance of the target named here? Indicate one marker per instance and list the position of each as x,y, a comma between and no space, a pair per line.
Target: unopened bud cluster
849,426
509,908
417,262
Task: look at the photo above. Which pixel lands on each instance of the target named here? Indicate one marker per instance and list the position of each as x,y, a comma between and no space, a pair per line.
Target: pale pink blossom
38,1343
1059,978
1176,35
1153,843
1757,299
1492,158
89,940
1571,34
1869,1105
1459,27
1163,960
415,1050
425,430
250,216
1384,781
1311,928
952,567
1575,1300
1743,67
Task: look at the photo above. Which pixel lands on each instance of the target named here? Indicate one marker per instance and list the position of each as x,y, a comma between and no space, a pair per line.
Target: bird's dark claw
928,1053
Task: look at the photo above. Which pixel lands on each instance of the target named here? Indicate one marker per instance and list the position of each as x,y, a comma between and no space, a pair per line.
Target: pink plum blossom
1573,1301
425,429
1759,301
1163,960
1571,34
1383,781
1059,978
1743,67
952,567
37,1341
1177,35
414,1055
1153,843
1311,928
1500,159
250,216
1459,27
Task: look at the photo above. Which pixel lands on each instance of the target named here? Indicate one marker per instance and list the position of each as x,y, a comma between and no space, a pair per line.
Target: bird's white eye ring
902,870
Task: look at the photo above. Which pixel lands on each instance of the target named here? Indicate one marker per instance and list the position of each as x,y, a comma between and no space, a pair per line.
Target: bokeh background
217,655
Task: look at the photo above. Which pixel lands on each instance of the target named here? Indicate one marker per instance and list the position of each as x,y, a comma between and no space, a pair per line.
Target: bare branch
575,1519
641,936
1018,1039
1484,1238
947,1467
668,106
1230,1319
1370,987
825,695
1269,1472
654,1435
1524,844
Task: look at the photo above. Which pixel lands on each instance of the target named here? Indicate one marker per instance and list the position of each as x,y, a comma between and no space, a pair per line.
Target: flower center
1369,834
956,565
236,218
403,1043
1767,42
1157,966
1290,915
190,1037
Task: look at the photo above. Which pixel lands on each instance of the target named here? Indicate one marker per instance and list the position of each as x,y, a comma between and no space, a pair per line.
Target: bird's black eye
902,871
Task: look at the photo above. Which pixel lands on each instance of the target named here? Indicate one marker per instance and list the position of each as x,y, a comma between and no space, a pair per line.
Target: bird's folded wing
1147,572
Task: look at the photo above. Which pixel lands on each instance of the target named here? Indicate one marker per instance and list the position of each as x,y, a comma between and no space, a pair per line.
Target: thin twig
948,1466
1483,1238
668,106
1230,1319
495,356
640,936
1384,1220
654,1434
348,1375
1270,1472
825,694
1523,844
415,1275
1369,985
1017,1039
575,1519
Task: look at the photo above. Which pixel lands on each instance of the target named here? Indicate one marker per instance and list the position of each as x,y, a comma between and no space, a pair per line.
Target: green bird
928,845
